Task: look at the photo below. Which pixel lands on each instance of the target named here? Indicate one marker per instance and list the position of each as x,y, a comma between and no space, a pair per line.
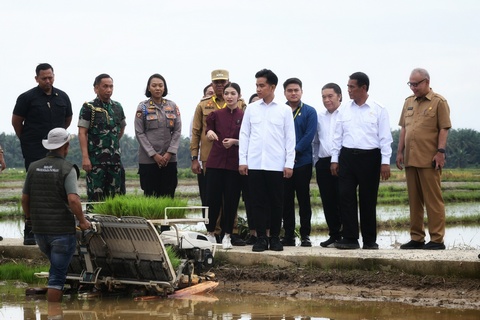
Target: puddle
14,305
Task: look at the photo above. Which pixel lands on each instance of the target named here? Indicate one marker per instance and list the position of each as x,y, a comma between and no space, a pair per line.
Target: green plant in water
22,272
140,206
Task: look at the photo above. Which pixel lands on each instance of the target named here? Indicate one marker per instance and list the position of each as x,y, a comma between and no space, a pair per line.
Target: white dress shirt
322,142
365,127
267,137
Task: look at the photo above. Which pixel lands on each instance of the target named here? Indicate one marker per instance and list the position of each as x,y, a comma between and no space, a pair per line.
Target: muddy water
14,305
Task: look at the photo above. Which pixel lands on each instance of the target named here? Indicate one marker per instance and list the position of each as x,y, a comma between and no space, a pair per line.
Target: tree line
463,150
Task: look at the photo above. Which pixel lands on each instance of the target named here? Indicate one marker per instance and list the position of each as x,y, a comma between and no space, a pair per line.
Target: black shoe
1,238
434,246
29,240
260,245
370,246
276,244
28,236
237,241
251,240
329,243
288,241
412,244
306,242
347,244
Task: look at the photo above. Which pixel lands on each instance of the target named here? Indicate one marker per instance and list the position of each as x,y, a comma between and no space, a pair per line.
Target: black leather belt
358,151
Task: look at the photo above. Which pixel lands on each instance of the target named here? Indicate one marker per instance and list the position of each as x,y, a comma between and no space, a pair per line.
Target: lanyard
218,107
298,111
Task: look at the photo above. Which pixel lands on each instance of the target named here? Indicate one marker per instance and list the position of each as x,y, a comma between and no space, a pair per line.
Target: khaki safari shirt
423,118
199,125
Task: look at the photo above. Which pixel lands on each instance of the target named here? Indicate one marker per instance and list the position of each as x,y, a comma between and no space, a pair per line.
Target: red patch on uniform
139,114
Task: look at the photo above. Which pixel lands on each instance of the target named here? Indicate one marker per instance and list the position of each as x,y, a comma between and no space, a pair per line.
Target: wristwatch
194,158
441,150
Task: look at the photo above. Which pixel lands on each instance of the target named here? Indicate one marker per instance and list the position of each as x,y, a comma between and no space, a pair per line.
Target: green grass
22,272
173,256
140,206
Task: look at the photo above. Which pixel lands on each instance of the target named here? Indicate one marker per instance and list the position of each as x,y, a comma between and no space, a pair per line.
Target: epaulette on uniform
410,96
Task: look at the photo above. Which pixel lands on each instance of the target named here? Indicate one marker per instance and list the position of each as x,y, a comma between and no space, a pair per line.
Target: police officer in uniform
158,129
100,127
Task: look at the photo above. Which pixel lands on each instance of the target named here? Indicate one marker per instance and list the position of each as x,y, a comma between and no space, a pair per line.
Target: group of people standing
264,151
348,143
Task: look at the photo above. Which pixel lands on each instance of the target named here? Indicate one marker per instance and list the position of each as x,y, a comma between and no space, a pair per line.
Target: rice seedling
22,272
140,206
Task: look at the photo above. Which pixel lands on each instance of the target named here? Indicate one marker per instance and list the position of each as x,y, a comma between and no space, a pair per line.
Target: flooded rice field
457,236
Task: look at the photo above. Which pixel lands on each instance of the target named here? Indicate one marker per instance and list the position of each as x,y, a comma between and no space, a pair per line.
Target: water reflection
458,237
227,306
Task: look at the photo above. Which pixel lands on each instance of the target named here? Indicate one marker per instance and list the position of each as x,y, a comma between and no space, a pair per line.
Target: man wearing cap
36,112
100,127
50,200
204,108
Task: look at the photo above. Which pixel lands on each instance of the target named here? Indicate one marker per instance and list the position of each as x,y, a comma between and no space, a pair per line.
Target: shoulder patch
139,114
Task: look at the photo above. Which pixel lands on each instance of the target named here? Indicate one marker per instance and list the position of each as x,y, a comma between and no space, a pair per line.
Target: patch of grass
174,257
14,174
140,206
21,272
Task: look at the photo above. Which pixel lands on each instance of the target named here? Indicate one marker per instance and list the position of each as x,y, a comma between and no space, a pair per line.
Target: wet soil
347,285
351,285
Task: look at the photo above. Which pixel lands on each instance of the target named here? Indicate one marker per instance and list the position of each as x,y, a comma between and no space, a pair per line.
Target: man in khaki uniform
424,122
207,105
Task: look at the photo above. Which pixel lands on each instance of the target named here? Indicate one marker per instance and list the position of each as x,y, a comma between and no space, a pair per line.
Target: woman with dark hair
223,179
254,97
158,128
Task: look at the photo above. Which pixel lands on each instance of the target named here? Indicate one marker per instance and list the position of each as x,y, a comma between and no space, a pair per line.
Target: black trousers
158,182
266,195
359,168
329,193
248,203
223,192
298,184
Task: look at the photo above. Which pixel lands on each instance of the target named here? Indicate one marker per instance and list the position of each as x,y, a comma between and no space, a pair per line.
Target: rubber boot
28,237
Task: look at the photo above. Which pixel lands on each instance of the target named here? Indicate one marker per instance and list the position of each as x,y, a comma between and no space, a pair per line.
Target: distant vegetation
463,150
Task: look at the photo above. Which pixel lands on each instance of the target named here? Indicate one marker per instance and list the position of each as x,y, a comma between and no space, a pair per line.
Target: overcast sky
316,41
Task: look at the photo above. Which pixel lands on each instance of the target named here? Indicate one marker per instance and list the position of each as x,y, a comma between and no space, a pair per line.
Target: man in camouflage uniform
100,127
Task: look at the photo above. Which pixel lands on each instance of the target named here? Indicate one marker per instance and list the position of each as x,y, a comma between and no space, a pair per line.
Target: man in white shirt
322,156
361,153
266,155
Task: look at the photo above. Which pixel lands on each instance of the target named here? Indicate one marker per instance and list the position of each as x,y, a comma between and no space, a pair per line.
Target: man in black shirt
36,112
